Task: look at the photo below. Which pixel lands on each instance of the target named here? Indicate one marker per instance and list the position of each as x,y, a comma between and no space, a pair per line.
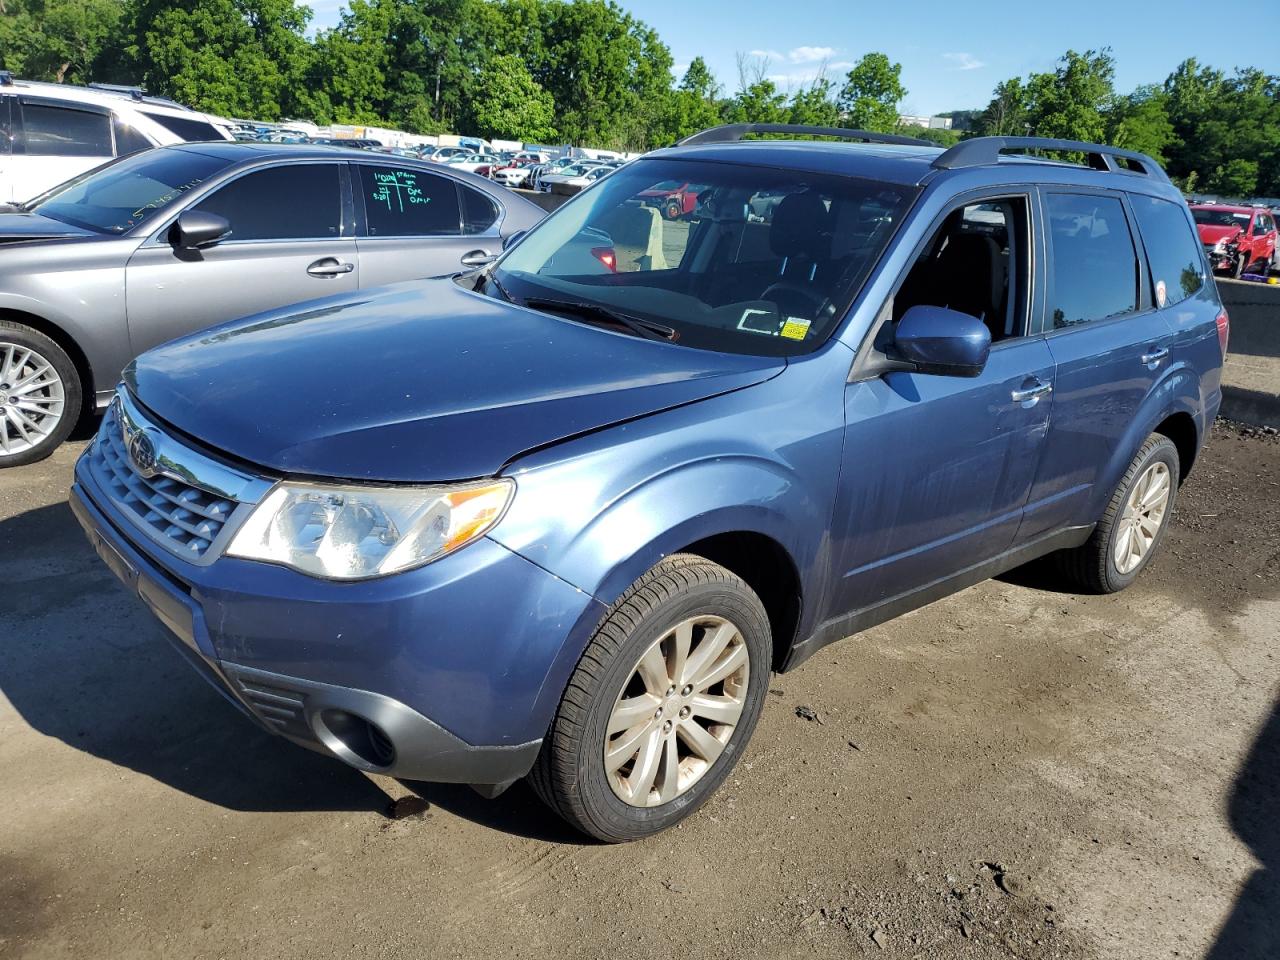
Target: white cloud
810,54
767,54
840,65
963,61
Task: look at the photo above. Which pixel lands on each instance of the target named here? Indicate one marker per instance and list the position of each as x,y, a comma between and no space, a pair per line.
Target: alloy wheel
677,710
32,399
1143,516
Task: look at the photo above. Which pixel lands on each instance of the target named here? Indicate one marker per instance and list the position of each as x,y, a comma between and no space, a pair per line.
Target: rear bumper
355,674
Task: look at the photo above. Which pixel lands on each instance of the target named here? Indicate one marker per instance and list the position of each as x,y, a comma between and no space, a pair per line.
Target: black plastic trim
734,132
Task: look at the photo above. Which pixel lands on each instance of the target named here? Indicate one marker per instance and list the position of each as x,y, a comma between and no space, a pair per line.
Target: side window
59,132
295,202
478,211
128,140
1093,269
976,263
185,127
6,127
1173,249
402,202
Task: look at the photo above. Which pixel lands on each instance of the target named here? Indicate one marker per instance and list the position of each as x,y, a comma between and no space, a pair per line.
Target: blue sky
952,53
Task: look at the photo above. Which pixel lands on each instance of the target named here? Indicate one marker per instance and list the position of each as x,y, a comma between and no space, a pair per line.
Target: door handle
477,258
1033,393
329,267
1156,355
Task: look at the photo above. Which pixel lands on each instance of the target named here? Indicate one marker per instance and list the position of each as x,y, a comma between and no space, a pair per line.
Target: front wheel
1134,524
39,395
661,704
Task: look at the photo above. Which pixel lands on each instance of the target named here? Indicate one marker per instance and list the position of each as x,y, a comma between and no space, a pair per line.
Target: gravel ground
1012,772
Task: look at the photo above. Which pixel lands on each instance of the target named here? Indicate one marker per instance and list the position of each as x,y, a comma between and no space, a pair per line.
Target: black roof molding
983,151
735,132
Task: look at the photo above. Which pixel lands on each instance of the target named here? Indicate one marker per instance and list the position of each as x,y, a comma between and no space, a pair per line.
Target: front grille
184,517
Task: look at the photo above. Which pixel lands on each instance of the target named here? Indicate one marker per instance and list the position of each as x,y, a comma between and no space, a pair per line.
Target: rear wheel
661,703
1134,524
40,395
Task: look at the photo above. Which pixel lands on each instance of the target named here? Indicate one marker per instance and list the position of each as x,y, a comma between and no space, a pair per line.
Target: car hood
1211,233
417,382
15,227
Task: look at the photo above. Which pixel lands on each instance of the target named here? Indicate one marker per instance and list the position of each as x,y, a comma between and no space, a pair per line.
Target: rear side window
297,202
6,127
478,211
188,128
59,132
402,202
128,140
1092,263
1173,249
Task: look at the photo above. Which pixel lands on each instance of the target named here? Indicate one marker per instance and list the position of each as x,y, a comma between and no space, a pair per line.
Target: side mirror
942,341
513,239
196,230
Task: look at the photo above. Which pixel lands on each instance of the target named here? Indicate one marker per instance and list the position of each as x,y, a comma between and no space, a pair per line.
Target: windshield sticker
397,189
796,328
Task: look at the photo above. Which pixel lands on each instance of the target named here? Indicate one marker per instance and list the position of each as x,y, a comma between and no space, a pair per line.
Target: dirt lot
1013,772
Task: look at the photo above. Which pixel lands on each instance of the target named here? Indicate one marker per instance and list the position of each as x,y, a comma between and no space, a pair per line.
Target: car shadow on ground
84,662
1253,928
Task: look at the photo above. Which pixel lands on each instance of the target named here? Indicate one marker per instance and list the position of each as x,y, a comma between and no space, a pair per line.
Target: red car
1237,239
673,198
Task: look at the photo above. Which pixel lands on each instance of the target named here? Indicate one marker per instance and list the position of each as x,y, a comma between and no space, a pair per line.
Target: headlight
351,533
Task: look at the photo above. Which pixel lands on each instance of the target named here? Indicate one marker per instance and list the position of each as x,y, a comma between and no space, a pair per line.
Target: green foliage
814,105
871,94
1140,122
1071,103
510,105
60,40
943,138
1006,114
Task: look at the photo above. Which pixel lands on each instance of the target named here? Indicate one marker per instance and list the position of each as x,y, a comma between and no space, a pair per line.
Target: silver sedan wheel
32,399
677,710
1143,516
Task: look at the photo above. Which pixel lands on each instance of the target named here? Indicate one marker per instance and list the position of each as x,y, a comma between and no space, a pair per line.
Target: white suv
51,132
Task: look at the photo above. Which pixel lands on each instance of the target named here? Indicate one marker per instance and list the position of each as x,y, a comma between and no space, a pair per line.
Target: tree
1140,122
871,94
814,104
699,81
1071,103
58,40
1006,114
510,105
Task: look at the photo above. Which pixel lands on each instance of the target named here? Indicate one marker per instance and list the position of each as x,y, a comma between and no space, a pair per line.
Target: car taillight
606,256
1224,328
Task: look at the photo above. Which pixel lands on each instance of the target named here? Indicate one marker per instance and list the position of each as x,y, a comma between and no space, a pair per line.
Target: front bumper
420,675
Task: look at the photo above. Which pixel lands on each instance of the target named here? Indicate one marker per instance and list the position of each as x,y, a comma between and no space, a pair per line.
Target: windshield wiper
607,316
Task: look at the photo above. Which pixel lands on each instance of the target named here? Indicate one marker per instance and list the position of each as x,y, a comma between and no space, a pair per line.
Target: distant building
928,123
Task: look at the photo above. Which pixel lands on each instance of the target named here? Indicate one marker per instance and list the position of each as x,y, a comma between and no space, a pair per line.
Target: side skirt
848,624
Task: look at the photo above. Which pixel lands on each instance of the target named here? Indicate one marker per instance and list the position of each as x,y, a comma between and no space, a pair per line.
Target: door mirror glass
942,341
198,229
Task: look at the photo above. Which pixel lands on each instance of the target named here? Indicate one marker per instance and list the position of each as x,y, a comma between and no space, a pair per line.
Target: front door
288,244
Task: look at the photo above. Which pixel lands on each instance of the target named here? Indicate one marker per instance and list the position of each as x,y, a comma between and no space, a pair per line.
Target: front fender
1177,392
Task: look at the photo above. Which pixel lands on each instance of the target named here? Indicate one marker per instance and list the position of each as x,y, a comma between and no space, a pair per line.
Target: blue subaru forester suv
561,516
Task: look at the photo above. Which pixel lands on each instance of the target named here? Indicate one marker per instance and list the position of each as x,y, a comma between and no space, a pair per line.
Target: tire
673,210
1093,566
570,774
40,395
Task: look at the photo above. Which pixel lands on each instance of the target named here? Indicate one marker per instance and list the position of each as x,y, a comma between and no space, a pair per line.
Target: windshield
1221,218
117,197
758,260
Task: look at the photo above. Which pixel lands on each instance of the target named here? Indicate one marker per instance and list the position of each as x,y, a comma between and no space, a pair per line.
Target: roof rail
981,151
733,132
134,93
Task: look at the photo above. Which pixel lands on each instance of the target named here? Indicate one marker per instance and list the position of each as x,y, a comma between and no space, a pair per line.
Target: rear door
292,239
418,224
1109,343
